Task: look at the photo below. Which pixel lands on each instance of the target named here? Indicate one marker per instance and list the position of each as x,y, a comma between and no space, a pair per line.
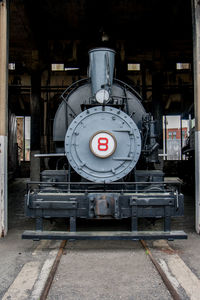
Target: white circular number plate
103,144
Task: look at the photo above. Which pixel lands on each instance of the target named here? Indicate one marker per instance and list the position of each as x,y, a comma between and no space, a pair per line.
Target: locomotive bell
101,69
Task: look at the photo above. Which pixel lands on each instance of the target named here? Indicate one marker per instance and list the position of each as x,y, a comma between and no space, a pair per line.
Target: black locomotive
106,144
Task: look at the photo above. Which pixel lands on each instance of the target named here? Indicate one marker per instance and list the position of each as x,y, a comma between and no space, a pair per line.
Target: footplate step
103,235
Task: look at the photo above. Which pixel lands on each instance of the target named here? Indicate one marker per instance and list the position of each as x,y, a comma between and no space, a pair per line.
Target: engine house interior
101,111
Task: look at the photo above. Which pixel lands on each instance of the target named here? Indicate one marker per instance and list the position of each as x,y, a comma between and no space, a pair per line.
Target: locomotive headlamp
102,96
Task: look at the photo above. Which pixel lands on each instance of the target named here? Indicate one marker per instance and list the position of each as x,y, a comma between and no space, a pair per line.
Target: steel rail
52,273
162,274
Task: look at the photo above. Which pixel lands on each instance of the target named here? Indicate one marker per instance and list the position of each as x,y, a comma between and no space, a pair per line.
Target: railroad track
155,263
53,271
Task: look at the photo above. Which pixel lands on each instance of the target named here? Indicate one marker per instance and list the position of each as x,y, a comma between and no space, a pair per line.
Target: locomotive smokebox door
103,144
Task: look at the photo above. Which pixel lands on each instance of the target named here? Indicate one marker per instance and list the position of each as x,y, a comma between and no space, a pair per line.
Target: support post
36,120
196,63
157,92
3,115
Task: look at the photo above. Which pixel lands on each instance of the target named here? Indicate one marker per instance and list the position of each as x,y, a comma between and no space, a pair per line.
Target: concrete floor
95,269
15,253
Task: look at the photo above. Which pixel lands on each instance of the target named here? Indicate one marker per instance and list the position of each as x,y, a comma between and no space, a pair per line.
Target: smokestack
101,69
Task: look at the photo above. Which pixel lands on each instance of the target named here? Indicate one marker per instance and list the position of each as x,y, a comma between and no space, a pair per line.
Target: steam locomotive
106,144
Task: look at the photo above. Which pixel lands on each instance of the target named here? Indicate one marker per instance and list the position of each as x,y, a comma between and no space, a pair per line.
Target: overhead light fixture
71,69
183,66
133,67
57,67
11,66
105,37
